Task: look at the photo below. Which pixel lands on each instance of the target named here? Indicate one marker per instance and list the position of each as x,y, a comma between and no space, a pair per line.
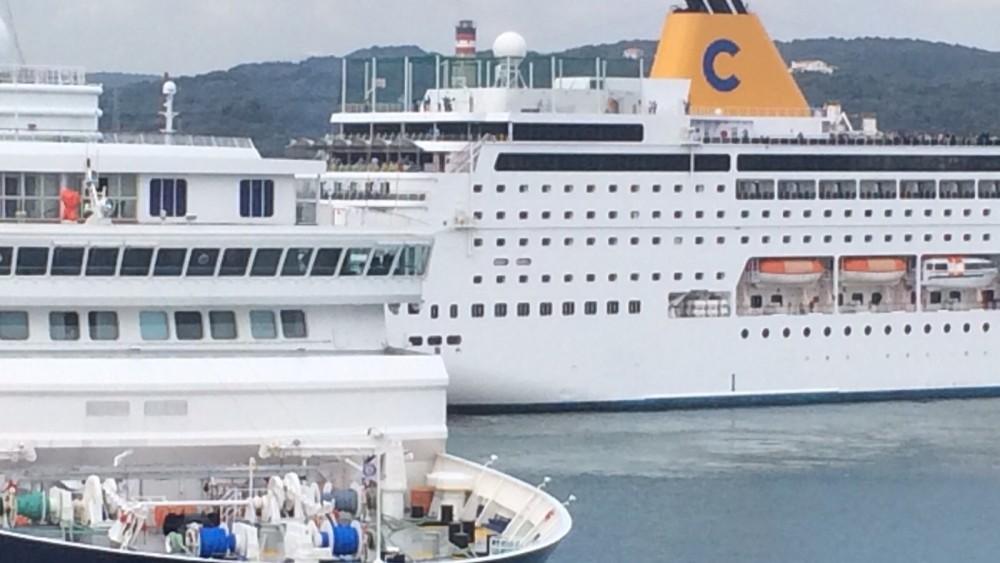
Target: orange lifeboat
886,271
789,272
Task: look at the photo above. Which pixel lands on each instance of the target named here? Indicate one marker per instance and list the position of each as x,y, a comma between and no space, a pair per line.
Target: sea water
887,482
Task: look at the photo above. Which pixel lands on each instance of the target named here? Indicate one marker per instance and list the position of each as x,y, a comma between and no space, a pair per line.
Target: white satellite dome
510,45
169,88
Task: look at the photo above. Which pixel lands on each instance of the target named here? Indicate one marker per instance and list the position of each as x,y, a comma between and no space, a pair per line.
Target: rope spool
346,541
216,542
344,500
33,506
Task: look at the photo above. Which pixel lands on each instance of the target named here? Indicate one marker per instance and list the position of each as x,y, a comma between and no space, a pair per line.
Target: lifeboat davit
789,272
959,272
881,271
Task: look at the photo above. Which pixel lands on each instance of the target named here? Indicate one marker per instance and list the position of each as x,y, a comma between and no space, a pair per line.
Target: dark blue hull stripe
733,401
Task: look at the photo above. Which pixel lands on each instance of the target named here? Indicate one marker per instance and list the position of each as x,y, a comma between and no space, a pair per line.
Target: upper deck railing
27,135
44,75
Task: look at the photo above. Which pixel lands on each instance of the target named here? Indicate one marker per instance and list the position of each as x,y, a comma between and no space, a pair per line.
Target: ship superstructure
698,236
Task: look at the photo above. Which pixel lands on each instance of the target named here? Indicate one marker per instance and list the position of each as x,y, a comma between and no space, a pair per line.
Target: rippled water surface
899,482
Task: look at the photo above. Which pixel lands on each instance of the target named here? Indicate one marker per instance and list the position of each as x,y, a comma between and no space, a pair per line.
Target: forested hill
911,85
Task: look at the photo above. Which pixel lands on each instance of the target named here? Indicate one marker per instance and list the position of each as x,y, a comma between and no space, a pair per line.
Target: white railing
47,75
177,139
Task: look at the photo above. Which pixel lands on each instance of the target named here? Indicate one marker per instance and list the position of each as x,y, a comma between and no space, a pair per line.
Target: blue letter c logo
719,47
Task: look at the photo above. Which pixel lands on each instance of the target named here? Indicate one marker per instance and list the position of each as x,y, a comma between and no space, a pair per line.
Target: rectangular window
412,261
326,263
545,309
612,307
867,163
293,324
235,262
478,311
6,260
568,309
153,326
454,311
500,310
222,325
170,262
64,327
135,262
590,308
265,262
102,262
297,262
103,325
257,198
202,262
382,259
524,309
634,307
167,197
14,325
32,261
355,262
189,325
263,325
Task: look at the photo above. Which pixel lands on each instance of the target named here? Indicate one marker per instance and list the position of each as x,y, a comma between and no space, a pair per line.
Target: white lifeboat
789,272
959,272
877,271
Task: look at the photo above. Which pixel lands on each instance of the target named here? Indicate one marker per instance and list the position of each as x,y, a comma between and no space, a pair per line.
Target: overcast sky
193,36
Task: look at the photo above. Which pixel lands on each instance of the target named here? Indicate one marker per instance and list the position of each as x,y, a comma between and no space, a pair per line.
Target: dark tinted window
235,262
189,325
170,262
6,260
102,262
202,262
168,196
712,163
103,325
382,261
867,163
293,324
297,262
67,261
14,325
64,326
526,162
32,261
265,262
136,262
223,325
326,262
256,198
577,132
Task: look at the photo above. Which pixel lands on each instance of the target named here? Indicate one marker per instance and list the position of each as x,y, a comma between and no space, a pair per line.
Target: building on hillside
634,53
817,67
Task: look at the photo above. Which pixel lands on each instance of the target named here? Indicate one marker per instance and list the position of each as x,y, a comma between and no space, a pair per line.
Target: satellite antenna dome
169,88
510,45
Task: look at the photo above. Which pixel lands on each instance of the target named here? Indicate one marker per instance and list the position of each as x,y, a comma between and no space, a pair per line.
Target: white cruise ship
699,237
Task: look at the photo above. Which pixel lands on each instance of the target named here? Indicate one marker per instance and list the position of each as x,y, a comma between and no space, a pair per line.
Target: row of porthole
592,188
720,214
888,330
721,240
592,278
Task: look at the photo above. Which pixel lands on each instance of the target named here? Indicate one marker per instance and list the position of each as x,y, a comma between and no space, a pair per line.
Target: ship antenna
168,113
8,16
